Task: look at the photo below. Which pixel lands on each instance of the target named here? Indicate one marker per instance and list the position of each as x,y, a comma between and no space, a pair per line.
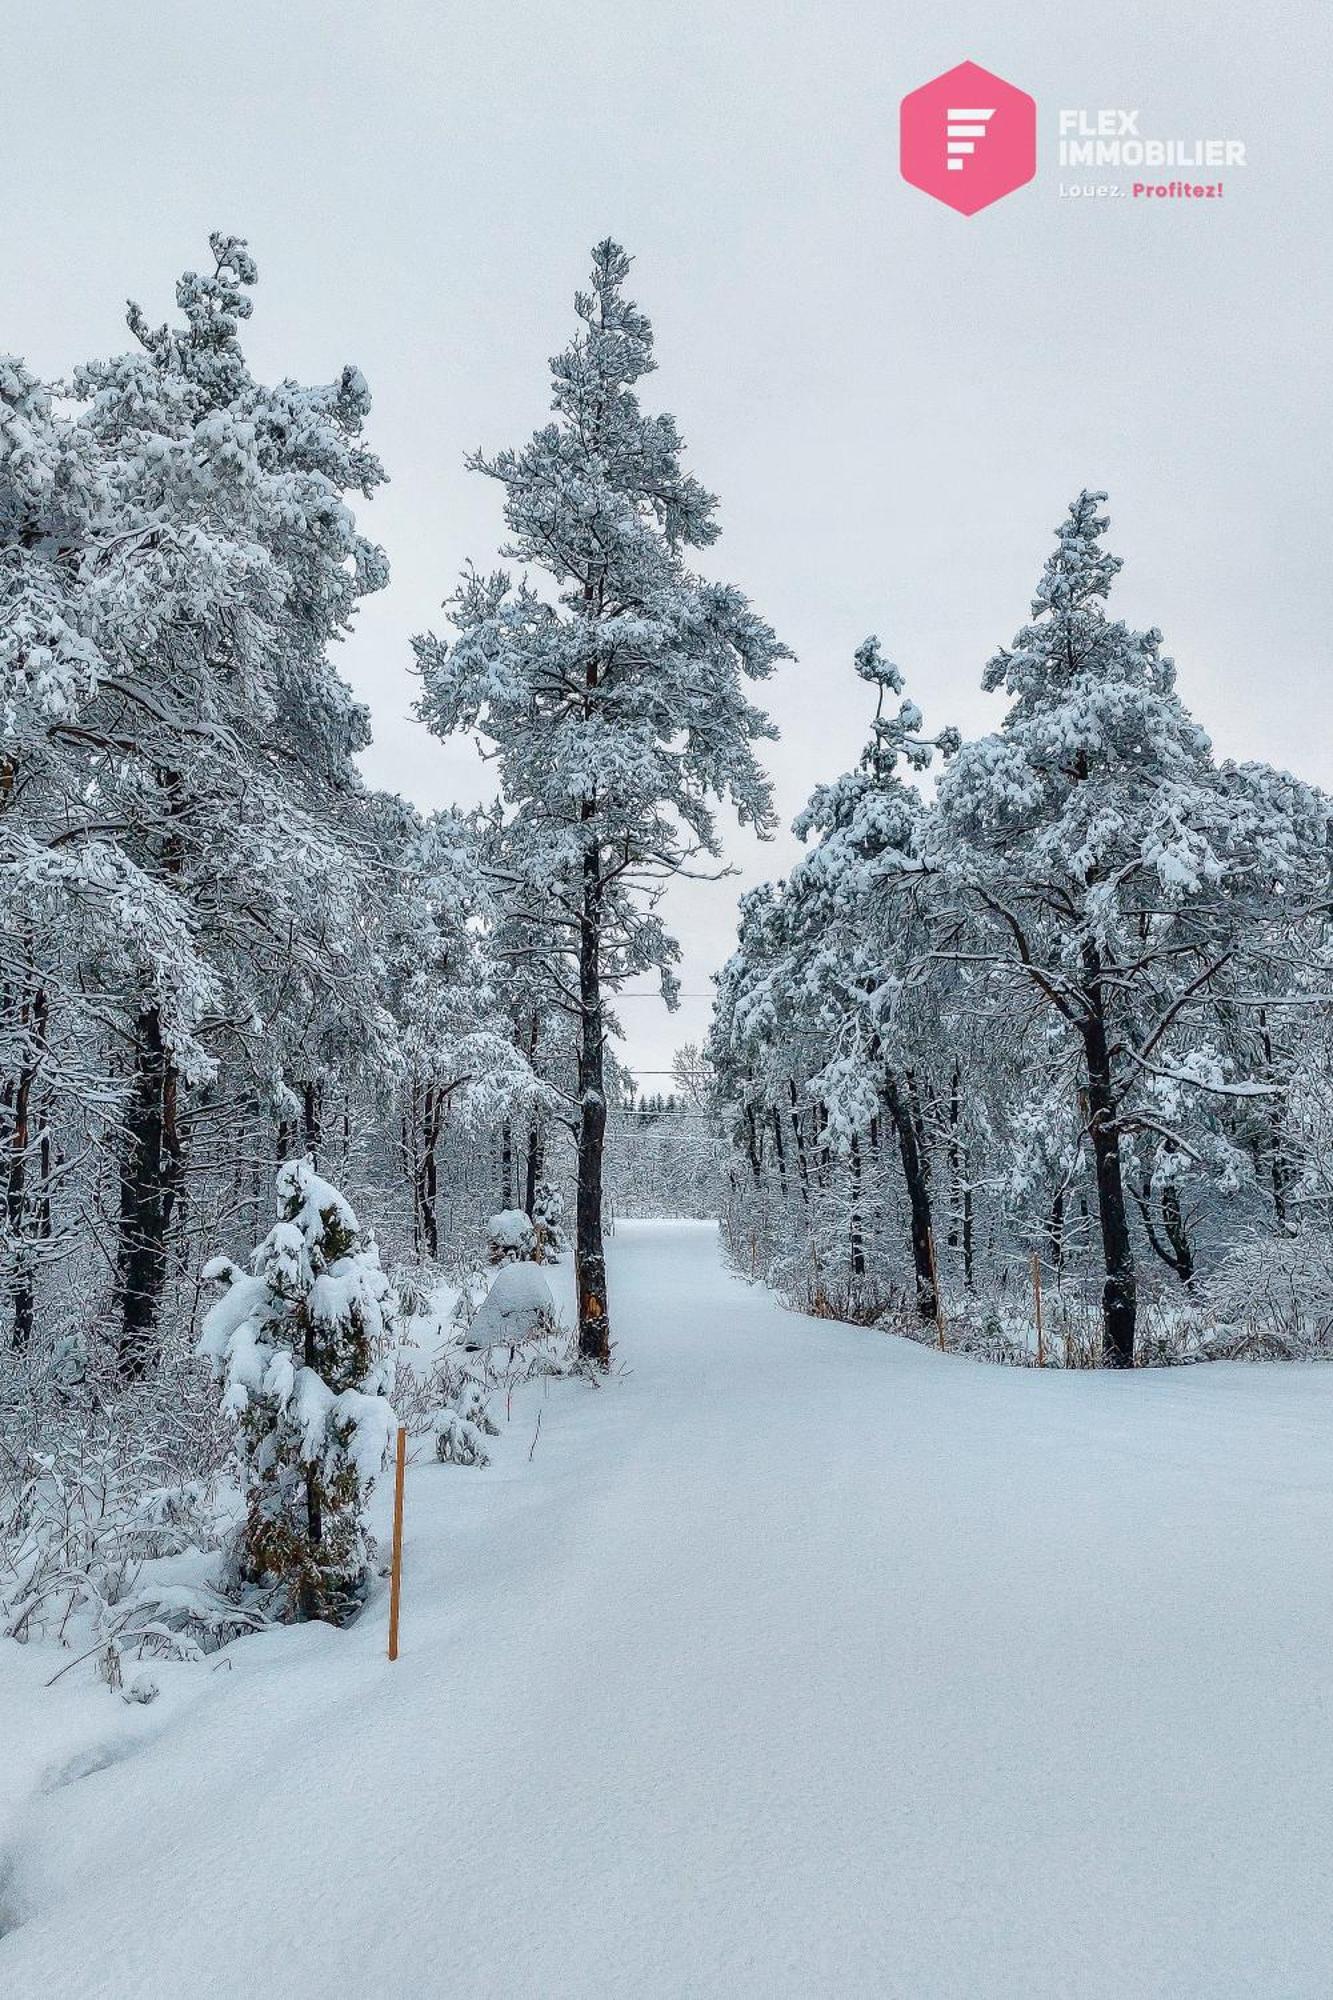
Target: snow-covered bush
462,1425
298,1345
1279,1291
548,1223
114,1504
518,1305
94,1554
510,1236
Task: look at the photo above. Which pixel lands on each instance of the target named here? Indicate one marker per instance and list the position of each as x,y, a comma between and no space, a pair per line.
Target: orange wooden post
396,1567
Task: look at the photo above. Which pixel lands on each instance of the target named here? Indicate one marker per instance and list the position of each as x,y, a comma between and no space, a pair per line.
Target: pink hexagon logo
968,137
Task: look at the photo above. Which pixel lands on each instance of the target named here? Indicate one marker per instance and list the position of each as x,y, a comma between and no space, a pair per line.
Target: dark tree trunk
310,1121
21,1292
752,1143
823,1150
1056,1230
798,1138
150,1170
918,1195
969,1273
44,1159
955,1156
532,1167
857,1231
1279,1170
1120,1290
308,1596
428,1190
1173,1222
532,1171
779,1152
589,1250
506,1165
1177,1253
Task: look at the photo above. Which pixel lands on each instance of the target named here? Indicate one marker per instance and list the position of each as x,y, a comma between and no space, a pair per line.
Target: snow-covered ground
798,1661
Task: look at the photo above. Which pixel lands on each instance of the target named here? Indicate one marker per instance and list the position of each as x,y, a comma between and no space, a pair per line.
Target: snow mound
515,1307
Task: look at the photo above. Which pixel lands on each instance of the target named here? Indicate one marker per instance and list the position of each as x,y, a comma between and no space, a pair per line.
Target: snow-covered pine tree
1102,866
298,1344
816,1005
80,921
857,932
182,805
617,713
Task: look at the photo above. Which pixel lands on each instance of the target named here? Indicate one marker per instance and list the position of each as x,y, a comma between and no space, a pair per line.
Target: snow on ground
798,1661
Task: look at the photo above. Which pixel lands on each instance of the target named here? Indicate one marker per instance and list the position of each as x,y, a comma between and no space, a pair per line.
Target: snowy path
800,1662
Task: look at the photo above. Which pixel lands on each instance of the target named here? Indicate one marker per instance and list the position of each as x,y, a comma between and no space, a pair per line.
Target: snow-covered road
799,1661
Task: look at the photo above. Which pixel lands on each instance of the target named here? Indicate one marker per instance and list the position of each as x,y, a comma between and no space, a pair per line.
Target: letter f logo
968,137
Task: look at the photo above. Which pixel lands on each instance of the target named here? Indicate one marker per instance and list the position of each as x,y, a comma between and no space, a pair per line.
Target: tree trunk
969,1274
506,1165
149,1177
801,1167
779,1151
589,1251
857,1223
955,1156
308,1596
1279,1170
752,1143
532,1168
1173,1221
1177,1253
918,1195
1056,1230
428,1174
21,1292
310,1121
532,1171
1120,1291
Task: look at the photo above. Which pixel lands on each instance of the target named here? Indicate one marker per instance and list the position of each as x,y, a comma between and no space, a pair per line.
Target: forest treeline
1068,1014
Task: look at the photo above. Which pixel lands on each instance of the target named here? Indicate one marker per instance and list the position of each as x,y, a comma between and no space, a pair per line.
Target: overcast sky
894,402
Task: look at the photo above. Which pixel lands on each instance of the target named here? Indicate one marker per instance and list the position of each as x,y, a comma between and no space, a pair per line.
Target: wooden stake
935,1283
396,1567
1036,1295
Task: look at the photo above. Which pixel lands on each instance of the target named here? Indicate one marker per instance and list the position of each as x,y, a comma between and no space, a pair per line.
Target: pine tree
1106,868
298,1344
181,810
822,982
617,713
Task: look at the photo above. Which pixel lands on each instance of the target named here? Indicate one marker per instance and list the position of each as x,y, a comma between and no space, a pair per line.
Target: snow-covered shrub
113,1566
450,1405
518,1305
1279,1289
298,1345
414,1287
548,1223
510,1236
114,1504
460,1442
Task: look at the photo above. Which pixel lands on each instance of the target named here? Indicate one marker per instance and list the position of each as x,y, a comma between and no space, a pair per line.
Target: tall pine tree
617,712
1107,869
